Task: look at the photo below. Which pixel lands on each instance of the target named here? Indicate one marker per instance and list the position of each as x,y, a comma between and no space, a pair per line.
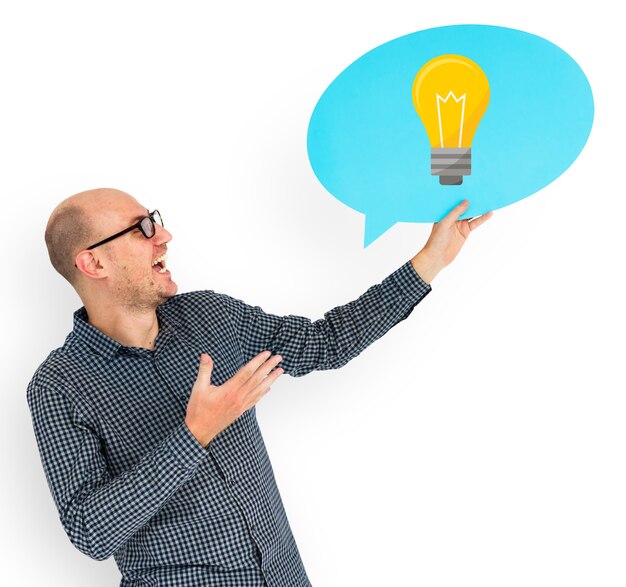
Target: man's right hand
213,408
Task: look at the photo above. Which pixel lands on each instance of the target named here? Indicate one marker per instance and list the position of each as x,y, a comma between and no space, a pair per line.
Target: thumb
454,214
206,367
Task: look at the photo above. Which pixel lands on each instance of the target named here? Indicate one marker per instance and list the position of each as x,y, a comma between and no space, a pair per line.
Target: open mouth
159,264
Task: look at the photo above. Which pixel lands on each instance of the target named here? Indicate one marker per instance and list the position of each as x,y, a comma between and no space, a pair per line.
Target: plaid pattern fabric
130,480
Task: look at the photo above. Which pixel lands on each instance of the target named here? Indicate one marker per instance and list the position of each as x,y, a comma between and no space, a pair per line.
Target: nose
162,235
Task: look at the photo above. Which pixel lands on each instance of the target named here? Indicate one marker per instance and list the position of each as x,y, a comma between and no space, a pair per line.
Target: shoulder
200,302
49,376
181,305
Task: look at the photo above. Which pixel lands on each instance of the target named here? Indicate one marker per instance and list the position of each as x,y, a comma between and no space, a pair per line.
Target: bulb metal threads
450,164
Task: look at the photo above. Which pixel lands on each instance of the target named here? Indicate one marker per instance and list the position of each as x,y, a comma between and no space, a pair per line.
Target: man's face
132,278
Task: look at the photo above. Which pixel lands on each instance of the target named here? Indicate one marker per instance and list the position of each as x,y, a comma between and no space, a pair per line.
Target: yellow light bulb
450,95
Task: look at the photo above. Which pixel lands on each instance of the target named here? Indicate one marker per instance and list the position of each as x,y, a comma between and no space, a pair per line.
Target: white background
482,440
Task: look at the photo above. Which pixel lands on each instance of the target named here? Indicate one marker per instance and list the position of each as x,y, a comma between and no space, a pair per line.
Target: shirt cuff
410,283
185,447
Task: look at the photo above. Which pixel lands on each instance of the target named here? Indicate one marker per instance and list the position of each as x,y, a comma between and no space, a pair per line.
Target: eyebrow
138,218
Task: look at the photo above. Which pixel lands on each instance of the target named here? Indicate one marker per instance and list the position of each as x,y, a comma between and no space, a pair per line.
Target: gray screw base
450,164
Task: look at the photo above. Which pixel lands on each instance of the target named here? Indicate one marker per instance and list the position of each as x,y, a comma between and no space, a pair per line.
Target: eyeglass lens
148,226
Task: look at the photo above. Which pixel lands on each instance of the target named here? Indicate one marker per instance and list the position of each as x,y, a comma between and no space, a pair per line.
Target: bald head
73,226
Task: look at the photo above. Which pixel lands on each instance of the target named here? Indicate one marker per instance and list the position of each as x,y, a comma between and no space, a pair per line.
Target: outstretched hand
445,241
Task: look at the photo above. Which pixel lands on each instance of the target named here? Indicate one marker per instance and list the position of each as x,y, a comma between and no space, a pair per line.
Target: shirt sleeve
332,341
99,512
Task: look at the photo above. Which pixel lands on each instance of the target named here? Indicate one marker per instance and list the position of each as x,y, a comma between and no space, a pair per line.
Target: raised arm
332,341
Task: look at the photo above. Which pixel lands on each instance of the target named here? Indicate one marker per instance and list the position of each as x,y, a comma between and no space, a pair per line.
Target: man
145,417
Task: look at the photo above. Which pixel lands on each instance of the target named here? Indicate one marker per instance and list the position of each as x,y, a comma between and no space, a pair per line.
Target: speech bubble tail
375,226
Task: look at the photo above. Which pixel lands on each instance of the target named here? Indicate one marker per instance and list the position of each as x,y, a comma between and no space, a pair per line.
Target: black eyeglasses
146,225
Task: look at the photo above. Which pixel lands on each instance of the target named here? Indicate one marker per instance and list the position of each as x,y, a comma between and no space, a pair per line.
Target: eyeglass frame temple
137,225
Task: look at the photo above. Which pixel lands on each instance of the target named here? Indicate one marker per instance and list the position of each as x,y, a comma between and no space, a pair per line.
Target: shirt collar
107,346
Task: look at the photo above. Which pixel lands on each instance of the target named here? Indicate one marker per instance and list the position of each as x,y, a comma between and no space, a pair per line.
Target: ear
88,263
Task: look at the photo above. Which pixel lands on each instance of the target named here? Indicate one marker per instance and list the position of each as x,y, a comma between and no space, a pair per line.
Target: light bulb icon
450,95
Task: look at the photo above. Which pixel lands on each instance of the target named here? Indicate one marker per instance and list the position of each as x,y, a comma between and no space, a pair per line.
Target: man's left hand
445,241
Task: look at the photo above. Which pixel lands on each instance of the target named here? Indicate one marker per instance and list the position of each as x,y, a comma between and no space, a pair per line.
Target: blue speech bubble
369,149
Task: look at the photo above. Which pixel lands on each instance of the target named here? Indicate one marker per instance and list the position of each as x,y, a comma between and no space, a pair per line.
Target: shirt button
232,482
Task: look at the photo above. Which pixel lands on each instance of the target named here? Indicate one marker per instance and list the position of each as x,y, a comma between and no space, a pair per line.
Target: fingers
261,374
454,214
256,369
264,386
249,368
205,369
476,222
261,382
472,223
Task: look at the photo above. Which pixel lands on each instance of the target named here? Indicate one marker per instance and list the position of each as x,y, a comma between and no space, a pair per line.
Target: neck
134,329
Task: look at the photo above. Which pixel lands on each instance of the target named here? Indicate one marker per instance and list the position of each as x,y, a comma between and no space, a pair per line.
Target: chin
170,290
165,290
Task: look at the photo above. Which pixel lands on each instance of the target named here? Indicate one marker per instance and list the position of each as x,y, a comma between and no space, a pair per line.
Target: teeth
161,258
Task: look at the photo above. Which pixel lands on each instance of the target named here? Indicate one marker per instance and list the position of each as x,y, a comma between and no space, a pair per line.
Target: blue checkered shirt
130,480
